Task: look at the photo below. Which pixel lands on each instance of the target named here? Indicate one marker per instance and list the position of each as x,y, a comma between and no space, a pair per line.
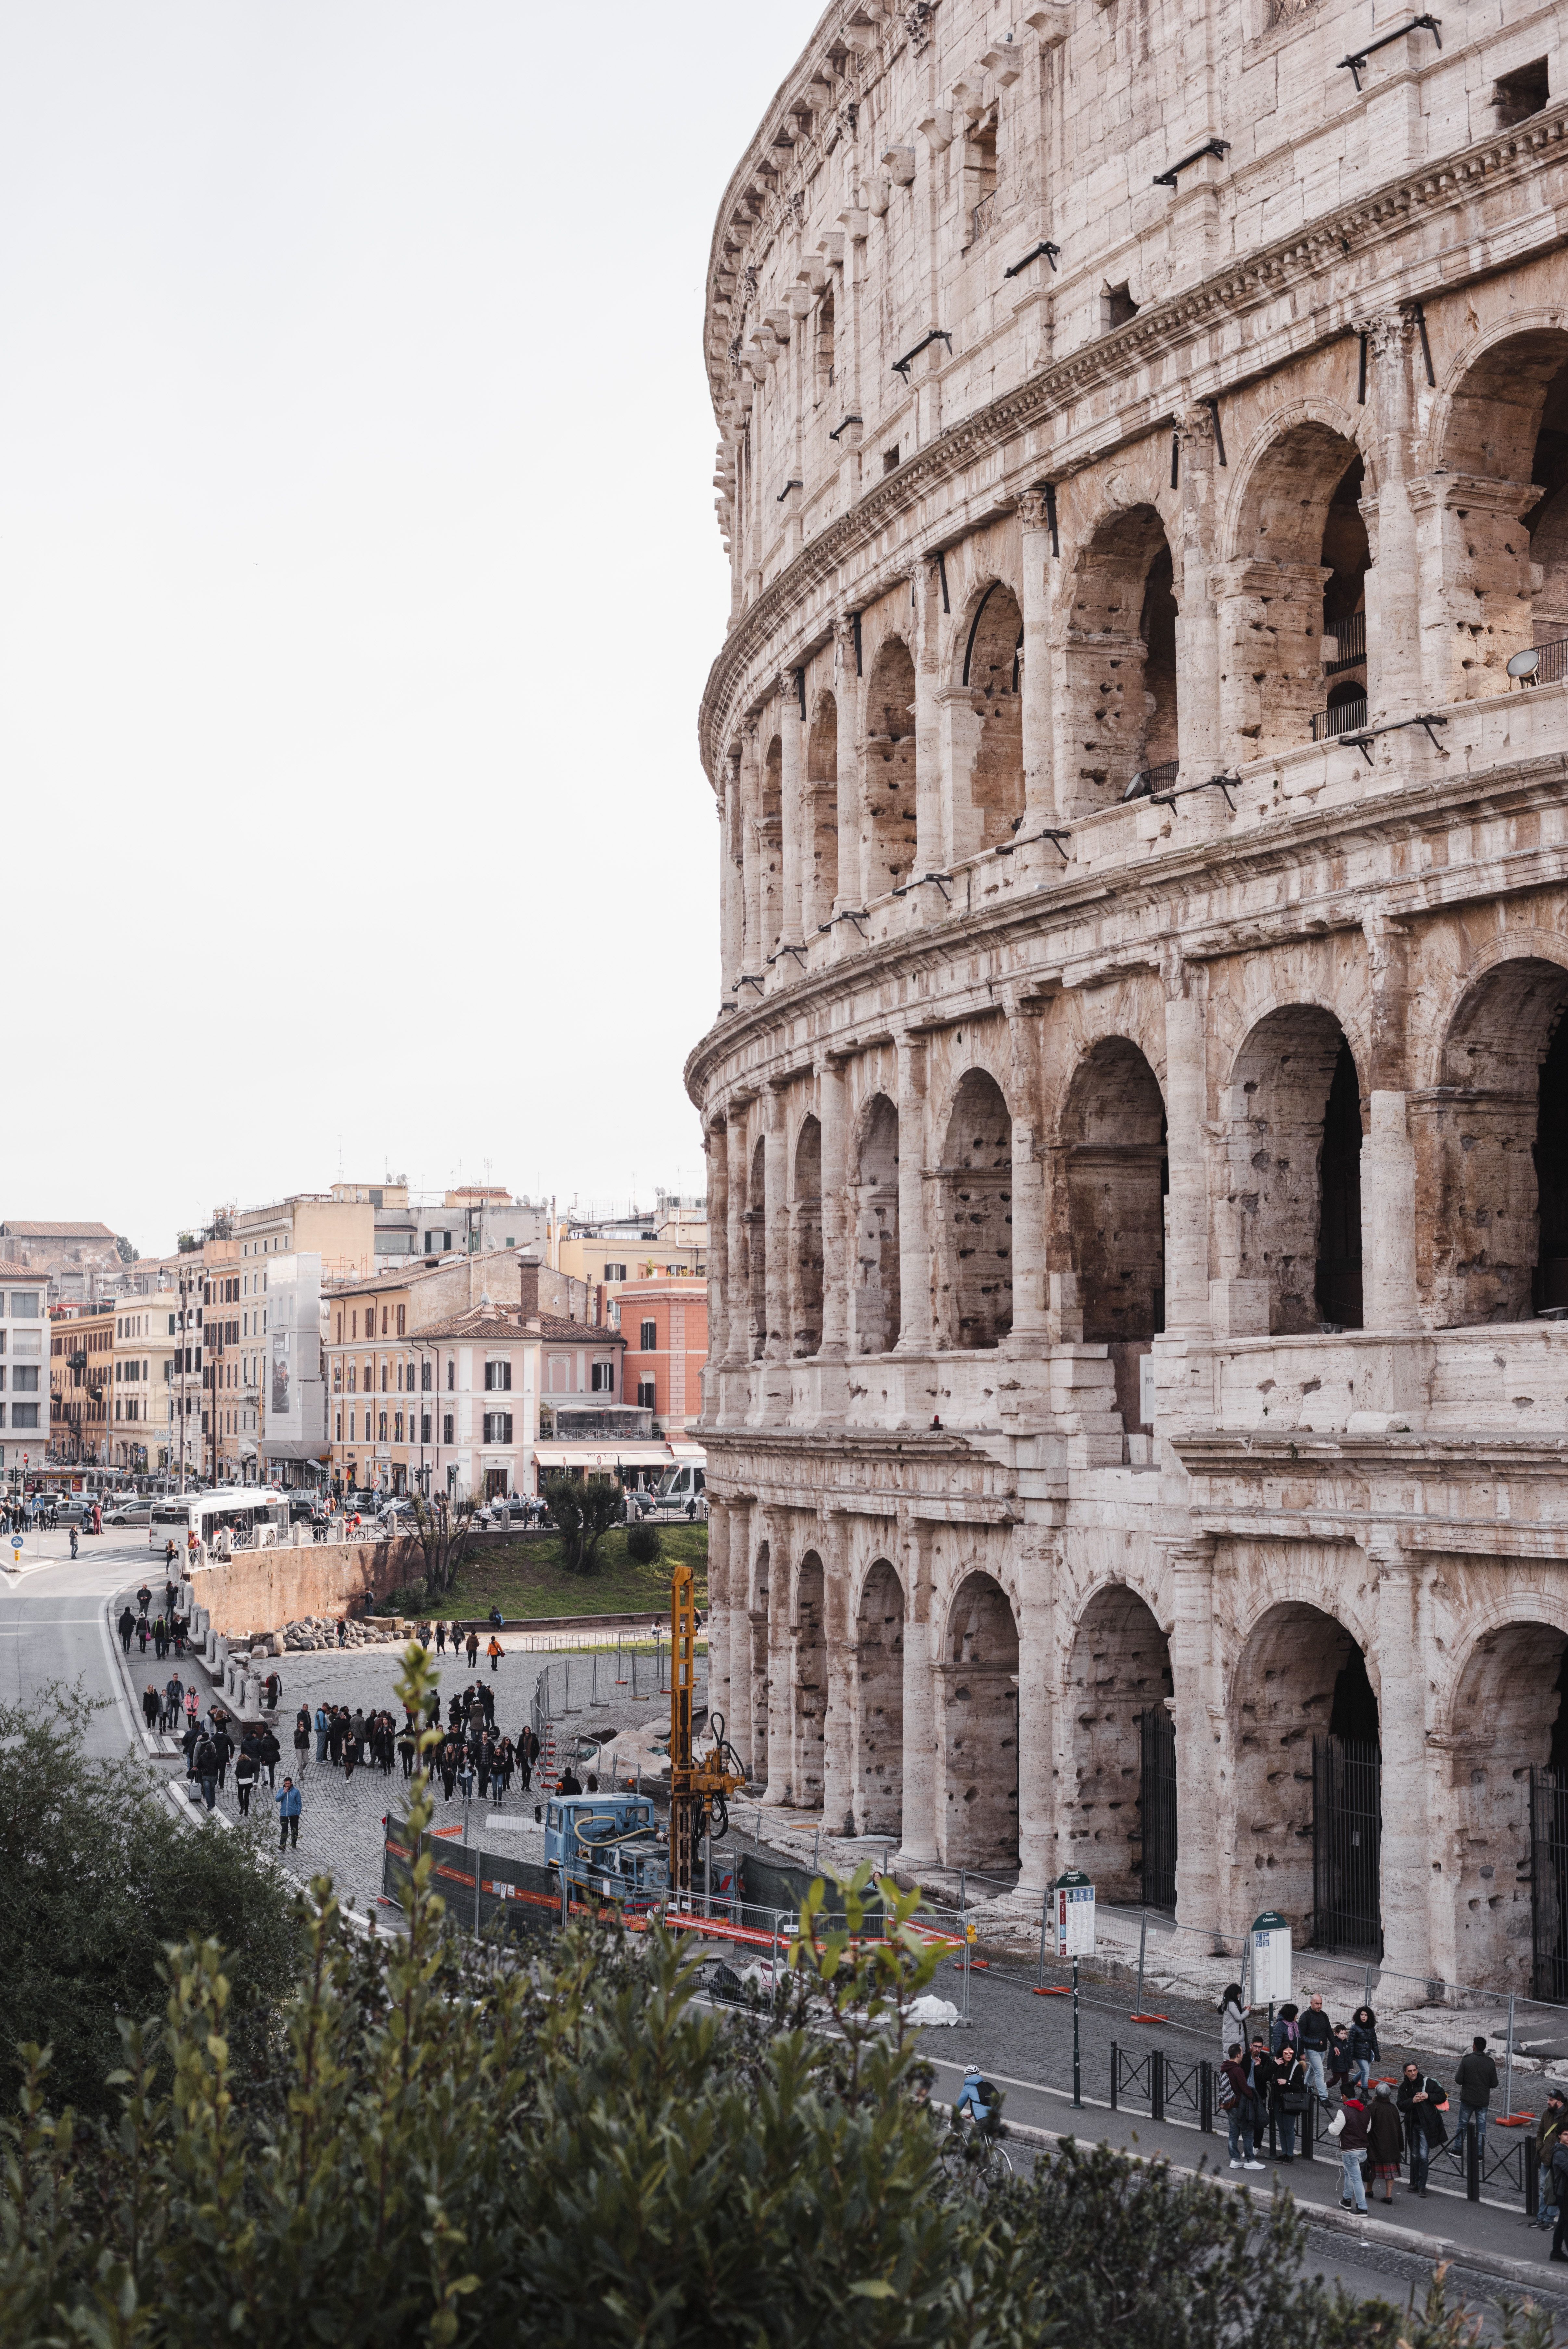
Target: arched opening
974,1253
757,1251
1299,581
887,799
761,1675
1117,1179
822,792
1504,481
876,1281
1510,1780
880,1704
1119,662
1120,1814
810,1683
978,1683
1293,1199
986,745
770,849
806,1265
1498,1152
1308,1780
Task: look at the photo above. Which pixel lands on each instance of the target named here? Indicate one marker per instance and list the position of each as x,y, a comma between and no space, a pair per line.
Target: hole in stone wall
1521,93
807,1254
875,1274
880,1704
888,798
1338,1281
975,1192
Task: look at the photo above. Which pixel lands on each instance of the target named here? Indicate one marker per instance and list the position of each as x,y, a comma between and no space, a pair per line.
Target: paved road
52,1627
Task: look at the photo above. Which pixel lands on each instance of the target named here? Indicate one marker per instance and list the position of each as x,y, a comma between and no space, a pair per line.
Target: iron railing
1350,633
1345,717
1346,1842
1549,1883
1149,780
1551,663
1156,1734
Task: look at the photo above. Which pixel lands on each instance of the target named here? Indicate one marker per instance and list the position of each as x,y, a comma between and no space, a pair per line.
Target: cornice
1229,292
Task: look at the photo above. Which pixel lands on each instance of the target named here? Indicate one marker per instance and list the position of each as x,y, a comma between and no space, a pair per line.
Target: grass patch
527,1579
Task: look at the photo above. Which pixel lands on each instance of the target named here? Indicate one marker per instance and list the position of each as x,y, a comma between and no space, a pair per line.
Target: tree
644,1544
100,1878
584,1510
444,1528
188,1243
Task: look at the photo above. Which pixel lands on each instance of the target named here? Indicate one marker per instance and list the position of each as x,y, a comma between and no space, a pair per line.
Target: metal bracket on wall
1167,178
1358,58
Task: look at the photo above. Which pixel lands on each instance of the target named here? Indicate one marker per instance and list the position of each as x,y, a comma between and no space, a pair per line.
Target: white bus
238,1508
680,1492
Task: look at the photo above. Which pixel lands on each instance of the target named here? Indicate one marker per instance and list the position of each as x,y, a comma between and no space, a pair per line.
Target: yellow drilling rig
700,1790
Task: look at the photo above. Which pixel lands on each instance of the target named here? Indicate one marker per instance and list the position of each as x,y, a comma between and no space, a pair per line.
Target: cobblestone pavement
340,1825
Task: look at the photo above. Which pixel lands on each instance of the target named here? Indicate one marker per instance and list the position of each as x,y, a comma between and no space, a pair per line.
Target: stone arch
1118,662
757,1250
821,865
809,1628
978,1733
1292,1230
975,1218
887,796
984,717
1301,1676
1508,1722
1499,506
769,850
878,1685
1119,1672
1112,1182
805,1255
1496,1149
1296,578
875,1288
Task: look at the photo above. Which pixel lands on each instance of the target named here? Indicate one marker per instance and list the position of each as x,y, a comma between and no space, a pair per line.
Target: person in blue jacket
980,2097
287,1801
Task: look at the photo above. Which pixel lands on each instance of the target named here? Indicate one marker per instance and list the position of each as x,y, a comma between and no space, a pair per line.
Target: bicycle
970,2154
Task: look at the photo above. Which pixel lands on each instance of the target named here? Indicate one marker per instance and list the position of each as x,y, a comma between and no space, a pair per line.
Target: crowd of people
164,1632
1383,2129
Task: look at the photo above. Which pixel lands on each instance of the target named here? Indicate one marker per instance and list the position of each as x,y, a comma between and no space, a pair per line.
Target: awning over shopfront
609,1455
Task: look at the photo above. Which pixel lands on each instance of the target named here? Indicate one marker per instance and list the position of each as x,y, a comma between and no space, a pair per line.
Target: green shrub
644,1544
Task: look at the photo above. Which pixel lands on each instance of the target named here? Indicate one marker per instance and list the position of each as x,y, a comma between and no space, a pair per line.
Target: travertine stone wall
1138,1101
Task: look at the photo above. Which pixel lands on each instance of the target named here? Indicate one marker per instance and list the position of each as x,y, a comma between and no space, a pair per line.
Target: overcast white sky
358,577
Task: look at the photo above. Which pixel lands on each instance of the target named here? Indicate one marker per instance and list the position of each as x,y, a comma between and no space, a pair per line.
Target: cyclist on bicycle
981,2099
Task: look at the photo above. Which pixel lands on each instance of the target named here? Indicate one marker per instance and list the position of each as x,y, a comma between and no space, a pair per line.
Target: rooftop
498,1322
13,1230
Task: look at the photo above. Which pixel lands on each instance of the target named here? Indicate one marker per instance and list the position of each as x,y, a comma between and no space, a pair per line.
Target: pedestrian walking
1232,2018
1385,2136
1282,2032
302,1739
440,1639
472,1648
288,1814
223,1747
1349,2126
125,1627
143,1600
271,1754
152,1706
1476,2078
1364,2044
494,1652
246,1770
1560,2193
1291,2099
73,1554
1423,2102
1548,2129
1236,2104
408,1745
174,1696
1315,2037
206,1769
323,1723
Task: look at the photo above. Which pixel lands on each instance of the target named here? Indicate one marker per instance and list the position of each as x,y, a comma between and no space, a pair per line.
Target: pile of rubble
321,1632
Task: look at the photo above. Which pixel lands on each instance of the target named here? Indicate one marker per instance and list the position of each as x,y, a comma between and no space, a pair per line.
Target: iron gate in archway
1156,1734
1346,1845
1549,1884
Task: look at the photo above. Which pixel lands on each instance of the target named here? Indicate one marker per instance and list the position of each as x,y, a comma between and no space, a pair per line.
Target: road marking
121,1703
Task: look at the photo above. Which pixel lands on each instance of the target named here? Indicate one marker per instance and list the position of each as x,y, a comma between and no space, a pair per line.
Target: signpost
1074,1939
1269,1945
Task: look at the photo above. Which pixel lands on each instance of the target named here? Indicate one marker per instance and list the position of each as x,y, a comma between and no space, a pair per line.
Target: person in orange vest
494,1652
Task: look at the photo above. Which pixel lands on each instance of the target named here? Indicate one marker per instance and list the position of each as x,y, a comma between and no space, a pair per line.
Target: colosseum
1138,1104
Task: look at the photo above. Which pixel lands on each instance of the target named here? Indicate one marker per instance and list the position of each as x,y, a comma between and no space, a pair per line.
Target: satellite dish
1525,664
1136,789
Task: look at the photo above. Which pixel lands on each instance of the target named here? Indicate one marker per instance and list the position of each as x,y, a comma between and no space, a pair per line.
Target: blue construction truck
609,1847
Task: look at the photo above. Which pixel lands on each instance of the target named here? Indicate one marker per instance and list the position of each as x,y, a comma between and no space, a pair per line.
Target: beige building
338,1226
81,1384
1137,1115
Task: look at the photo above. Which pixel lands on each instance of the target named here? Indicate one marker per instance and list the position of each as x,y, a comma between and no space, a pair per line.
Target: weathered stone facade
1137,1114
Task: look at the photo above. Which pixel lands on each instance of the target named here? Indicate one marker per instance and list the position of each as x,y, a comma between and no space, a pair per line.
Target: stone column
1186,1148
837,1746
1205,1793
1388,1286
837,1229
732,878
917,1847
1402,1643
1029,1208
792,793
925,585
776,1195
1196,625
737,1316
760,1529
914,1249
782,1547
1038,1553
1039,584
751,788
720,1633
716,1142
1393,588
847,700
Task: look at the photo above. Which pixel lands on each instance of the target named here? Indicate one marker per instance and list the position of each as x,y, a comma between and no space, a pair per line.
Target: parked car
74,1513
135,1511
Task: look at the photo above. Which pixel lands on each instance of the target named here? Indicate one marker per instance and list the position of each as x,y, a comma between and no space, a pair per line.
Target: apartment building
82,1263
144,1409
664,1321
478,1218
81,1382
608,1252
338,1226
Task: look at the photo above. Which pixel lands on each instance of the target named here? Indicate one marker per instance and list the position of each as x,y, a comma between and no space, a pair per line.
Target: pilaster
919,1844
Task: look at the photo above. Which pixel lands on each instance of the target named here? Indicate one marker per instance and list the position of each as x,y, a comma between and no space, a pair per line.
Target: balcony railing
1549,663
1149,780
1344,718
1350,633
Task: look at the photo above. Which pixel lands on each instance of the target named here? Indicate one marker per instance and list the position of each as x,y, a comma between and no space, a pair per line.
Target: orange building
664,1321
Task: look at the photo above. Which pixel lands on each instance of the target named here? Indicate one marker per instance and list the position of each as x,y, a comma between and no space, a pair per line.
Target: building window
498,1427
24,1380
383,1320
645,1395
339,1427
450,1378
424,1427
402,1311
446,1427
350,1425
381,1427
353,1380
615,1272
649,1340
601,1378
397,1427
24,1308
498,1377
336,1378
424,1376
26,1414
386,1376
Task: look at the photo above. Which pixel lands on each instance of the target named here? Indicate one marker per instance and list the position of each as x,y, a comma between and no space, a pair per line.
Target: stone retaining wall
263,1590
